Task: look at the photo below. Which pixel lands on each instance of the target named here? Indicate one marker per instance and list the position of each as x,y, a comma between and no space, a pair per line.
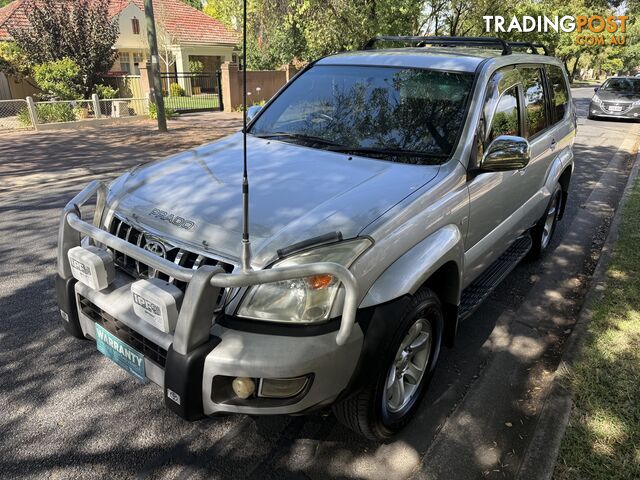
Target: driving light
92,266
303,300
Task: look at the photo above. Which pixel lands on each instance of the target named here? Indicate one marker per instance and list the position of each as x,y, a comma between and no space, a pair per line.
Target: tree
60,79
13,60
280,31
80,30
194,3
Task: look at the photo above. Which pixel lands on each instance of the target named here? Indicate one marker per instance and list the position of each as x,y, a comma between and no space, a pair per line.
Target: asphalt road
69,412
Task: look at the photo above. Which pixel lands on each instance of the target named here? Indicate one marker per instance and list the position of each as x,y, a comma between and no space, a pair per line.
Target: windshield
622,85
401,114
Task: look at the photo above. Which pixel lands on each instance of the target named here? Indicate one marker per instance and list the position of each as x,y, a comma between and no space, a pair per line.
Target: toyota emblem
156,248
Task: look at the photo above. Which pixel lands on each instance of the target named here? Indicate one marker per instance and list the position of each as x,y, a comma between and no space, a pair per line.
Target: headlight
596,99
304,300
636,103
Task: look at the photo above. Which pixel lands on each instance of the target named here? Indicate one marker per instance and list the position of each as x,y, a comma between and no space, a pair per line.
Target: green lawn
603,436
192,103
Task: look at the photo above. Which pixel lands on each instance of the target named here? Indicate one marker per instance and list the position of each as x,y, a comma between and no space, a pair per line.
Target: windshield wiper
297,136
390,152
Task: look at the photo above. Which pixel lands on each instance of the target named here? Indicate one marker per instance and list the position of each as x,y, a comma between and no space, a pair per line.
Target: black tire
366,411
541,240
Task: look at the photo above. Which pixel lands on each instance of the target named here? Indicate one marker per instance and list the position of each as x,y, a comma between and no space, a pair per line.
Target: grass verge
602,440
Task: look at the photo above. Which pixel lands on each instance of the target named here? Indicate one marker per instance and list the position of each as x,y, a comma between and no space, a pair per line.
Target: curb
542,453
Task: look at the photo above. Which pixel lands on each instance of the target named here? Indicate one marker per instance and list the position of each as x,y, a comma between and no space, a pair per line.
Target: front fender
407,274
560,163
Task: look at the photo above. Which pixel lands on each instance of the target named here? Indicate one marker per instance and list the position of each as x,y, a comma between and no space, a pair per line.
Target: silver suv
392,190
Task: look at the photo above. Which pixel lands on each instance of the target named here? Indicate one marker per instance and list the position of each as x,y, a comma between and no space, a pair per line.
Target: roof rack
532,46
462,41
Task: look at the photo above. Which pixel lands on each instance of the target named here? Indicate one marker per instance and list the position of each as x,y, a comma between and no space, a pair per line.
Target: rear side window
534,100
506,119
559,93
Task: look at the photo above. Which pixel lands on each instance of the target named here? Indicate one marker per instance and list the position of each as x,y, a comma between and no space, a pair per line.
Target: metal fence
26,114
124,107
191,92
14,115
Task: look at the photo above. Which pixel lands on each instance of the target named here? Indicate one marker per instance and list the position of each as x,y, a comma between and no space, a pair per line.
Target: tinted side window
534,100
559,93
506,119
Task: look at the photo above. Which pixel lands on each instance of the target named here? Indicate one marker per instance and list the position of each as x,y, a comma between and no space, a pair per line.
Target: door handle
553,145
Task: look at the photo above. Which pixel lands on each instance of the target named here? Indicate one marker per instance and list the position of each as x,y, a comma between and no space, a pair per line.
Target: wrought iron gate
192,92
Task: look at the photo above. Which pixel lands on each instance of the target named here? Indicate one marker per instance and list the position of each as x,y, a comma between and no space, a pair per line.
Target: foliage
24,118
13,61
55,112
176,90
169,113
59,79
282,31
106,91
196,66
5,2
194,3
80,30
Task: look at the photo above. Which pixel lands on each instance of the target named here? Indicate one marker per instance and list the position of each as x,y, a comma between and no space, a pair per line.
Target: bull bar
204,284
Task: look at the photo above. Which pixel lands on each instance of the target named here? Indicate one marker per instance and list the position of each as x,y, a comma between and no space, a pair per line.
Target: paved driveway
69,412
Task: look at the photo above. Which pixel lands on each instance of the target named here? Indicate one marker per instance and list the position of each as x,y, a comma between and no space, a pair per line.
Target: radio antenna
245,255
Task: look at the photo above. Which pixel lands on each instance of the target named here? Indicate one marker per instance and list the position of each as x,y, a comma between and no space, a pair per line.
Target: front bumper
197,361
600,110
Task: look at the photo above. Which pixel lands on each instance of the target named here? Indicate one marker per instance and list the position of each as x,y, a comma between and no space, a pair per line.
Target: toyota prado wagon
392,189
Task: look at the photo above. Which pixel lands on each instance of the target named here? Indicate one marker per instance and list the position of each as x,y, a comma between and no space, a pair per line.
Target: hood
296,193
617,96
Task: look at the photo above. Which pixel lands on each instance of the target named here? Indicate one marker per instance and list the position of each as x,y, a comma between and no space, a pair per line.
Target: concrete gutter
540,459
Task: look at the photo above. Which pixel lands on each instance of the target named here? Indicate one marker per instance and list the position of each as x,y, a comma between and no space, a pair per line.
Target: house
184,34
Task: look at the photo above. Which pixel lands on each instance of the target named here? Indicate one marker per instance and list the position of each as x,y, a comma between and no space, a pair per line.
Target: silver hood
296,193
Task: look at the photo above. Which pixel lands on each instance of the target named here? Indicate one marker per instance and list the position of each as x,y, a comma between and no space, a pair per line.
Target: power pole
155,65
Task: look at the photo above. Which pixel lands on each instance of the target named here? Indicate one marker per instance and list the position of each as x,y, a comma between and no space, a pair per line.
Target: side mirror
595,89
506,152
253,111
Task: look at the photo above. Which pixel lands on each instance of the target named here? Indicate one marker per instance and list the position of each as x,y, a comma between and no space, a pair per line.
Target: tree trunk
575,68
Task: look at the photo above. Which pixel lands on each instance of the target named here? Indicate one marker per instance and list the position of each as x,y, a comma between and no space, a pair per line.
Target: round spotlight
243,387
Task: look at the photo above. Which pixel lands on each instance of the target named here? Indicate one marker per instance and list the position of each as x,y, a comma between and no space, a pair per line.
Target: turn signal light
320,282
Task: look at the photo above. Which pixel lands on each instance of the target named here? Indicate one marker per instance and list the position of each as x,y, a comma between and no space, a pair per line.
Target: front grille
607,106
149,349
122,229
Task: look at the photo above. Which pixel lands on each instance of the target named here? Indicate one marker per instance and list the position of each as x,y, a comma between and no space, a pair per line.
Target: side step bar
481,288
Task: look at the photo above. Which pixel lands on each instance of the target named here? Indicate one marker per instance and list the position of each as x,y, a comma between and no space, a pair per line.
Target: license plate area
615,109
120,353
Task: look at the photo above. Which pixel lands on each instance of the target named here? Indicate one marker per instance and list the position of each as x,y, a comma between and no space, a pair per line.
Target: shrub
168,112
106,91
23,117
196,66
55,113
176,90
59,79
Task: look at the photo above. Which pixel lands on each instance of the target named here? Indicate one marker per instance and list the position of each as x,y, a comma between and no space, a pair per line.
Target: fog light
594,111
282,387
243,387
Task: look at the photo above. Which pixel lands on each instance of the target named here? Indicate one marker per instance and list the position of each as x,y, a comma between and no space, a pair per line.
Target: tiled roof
182,22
